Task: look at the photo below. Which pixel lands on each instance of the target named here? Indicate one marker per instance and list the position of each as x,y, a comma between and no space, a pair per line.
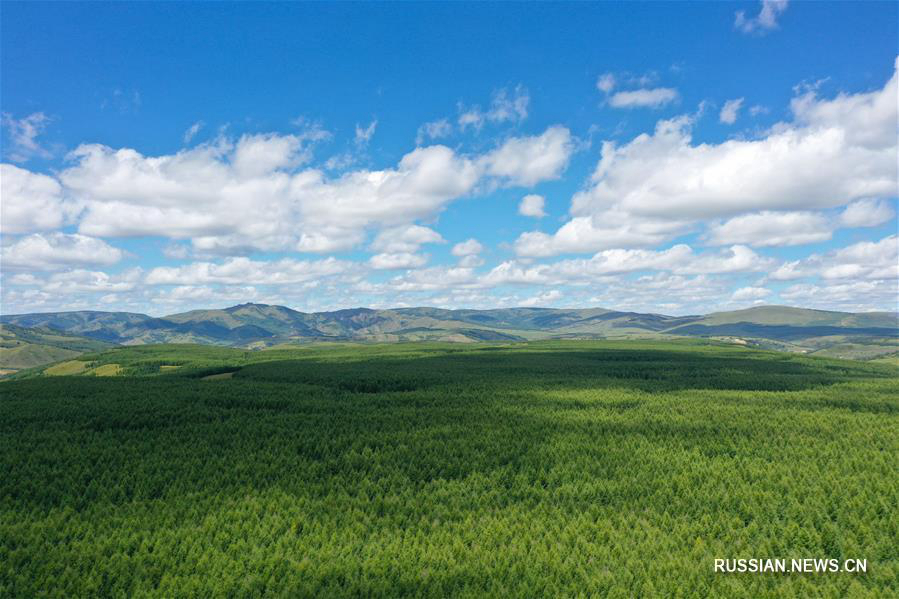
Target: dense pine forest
563,468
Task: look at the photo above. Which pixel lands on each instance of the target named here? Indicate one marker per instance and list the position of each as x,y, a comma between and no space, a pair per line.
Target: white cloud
581,234
643,98
30,201
658,185
51,251
606,82
853,296
766,19
396,261
860,261
504,107
433,130
23,134
750,294
241,271
252,194
404,239
867,213
247,194
730,110
547,298
176,251
679,259
793,167
528,160
532,205
261,154
468,253
771,229
87,281
472,261
192,131
469,247
205,293
425,180
863,260
328,238
435,278
364,135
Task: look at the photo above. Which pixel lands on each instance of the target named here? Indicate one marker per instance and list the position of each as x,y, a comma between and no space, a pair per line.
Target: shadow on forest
644,370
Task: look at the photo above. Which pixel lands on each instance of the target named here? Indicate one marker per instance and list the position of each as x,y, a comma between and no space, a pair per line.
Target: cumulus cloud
404,239
255,193
23,134
91,281
863,260
834,152
468,253
658,185
750,294
176,251
608,229
238,271
206,293
56,250
396,261
730,110
434,278
679,259
528,160
30,201
770,229
766,19
469,247
853,296
532,205
547,298
643,98
867,213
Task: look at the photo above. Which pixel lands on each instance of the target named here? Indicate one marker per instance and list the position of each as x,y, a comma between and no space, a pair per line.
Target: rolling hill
22,347
256,326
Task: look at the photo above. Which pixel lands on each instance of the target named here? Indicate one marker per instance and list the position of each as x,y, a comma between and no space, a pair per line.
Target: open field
557,468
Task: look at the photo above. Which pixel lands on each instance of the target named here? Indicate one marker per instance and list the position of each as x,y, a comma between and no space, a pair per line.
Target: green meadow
541,469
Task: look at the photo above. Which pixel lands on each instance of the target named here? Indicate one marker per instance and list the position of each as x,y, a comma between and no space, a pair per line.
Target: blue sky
666,157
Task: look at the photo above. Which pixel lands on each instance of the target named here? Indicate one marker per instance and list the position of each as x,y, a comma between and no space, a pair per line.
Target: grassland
617,469
22,348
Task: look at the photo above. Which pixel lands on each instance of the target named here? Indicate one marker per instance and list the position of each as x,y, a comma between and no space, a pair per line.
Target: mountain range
32,339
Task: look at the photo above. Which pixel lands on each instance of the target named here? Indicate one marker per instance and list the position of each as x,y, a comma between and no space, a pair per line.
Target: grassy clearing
106,370
615,469
67,368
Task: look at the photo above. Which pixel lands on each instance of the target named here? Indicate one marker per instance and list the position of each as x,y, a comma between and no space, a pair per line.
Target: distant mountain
261,325
29,347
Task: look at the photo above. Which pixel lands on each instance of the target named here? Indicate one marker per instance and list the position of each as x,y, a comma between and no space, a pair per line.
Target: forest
549,468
